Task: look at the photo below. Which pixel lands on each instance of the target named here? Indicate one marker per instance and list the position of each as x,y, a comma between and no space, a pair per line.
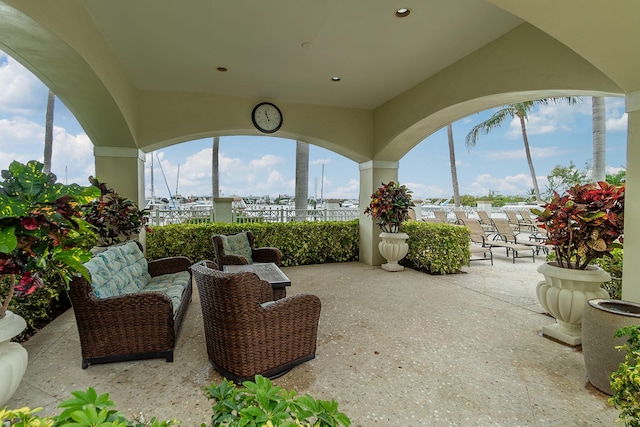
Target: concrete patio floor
395,349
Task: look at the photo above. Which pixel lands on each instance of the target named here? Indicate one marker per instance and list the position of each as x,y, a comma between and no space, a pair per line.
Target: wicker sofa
132,309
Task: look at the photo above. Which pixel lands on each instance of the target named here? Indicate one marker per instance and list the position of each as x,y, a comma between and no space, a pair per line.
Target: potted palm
390,208
115,219
41,229
585,223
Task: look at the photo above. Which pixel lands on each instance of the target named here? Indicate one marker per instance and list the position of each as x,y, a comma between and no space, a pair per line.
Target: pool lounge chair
498,240
506,232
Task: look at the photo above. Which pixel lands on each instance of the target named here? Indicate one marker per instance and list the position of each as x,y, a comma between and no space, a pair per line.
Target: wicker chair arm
266,254
169,265
303,307
152,301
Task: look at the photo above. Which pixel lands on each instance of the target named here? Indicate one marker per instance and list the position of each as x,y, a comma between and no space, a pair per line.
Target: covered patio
395,349
368,79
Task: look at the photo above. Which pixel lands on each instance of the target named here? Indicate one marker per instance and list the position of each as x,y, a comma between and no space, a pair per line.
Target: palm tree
302,179
599,139
215,174
519,110
48,133
454,172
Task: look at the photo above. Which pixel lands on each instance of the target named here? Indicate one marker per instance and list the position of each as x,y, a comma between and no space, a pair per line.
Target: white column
123,170
631,266
372,175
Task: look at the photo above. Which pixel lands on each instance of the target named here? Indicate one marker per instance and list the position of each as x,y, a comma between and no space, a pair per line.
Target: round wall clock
266,117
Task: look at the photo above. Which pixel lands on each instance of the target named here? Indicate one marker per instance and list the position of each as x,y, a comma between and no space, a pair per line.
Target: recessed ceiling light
221,69
403,12
307,45
335,79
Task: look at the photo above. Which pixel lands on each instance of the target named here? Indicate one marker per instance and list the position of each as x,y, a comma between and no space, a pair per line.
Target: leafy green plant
260,403
584,224
301,243
390,206
436,248
115,218
41,228
85,409
625,382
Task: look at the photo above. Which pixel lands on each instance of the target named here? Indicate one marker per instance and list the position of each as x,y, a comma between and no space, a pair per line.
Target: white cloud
20,91
614,170
617,123
425,191
512,184
536,153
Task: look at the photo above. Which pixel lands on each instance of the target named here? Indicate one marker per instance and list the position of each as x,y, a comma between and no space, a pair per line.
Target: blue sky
558,134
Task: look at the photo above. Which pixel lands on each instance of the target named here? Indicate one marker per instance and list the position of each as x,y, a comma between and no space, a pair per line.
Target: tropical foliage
436,248
390,206
260,403
115,218
625,382
585,223
41,228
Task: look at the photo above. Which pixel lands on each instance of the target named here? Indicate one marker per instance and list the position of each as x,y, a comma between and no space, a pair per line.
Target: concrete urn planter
393,248
600,320
564,294
13,357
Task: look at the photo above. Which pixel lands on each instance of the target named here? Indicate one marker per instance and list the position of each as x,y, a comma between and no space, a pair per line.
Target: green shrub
41,306
436,248
613,266
258,403
300,242
625,382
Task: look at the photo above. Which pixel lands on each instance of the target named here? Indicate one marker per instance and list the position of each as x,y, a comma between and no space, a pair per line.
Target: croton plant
585,223
390,206
41,228
115,218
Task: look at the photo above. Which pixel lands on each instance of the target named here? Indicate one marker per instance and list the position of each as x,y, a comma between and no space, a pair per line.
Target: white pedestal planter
13,357
564,294
393,248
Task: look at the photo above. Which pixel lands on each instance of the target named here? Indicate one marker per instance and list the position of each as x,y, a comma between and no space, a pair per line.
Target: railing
159,217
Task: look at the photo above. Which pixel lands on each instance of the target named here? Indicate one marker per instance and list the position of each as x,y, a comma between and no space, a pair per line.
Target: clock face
266,117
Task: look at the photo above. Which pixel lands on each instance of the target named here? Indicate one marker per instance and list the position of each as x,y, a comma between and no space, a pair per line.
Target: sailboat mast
177,180
153,196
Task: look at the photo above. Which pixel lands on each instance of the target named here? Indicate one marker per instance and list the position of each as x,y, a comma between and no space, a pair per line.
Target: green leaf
8,240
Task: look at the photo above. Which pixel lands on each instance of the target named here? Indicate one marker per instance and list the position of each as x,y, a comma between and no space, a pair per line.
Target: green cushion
119,270
237,244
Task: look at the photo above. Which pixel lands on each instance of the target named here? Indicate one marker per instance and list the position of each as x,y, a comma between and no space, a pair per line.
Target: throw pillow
237,244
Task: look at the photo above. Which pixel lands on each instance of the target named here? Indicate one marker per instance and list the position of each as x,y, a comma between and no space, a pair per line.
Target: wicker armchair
129,327
266,254
247,334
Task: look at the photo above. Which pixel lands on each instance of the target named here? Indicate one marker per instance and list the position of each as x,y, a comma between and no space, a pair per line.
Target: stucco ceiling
166,45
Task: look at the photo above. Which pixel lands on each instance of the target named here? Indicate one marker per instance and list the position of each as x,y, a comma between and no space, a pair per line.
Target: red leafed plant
390,206
585,223
115,218
41,228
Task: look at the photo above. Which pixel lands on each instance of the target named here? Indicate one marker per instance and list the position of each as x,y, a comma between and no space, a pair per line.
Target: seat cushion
172,284
237,244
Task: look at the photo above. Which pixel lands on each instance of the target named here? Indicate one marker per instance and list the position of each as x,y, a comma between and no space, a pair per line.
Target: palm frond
488,125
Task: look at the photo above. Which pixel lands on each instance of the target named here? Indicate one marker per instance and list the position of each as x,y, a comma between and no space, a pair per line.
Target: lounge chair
460,216
479,243
498,240
506,232
527,220
485,220
513,219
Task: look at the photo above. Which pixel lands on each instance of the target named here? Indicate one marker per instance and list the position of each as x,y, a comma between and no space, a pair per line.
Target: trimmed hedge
436,248
300,242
